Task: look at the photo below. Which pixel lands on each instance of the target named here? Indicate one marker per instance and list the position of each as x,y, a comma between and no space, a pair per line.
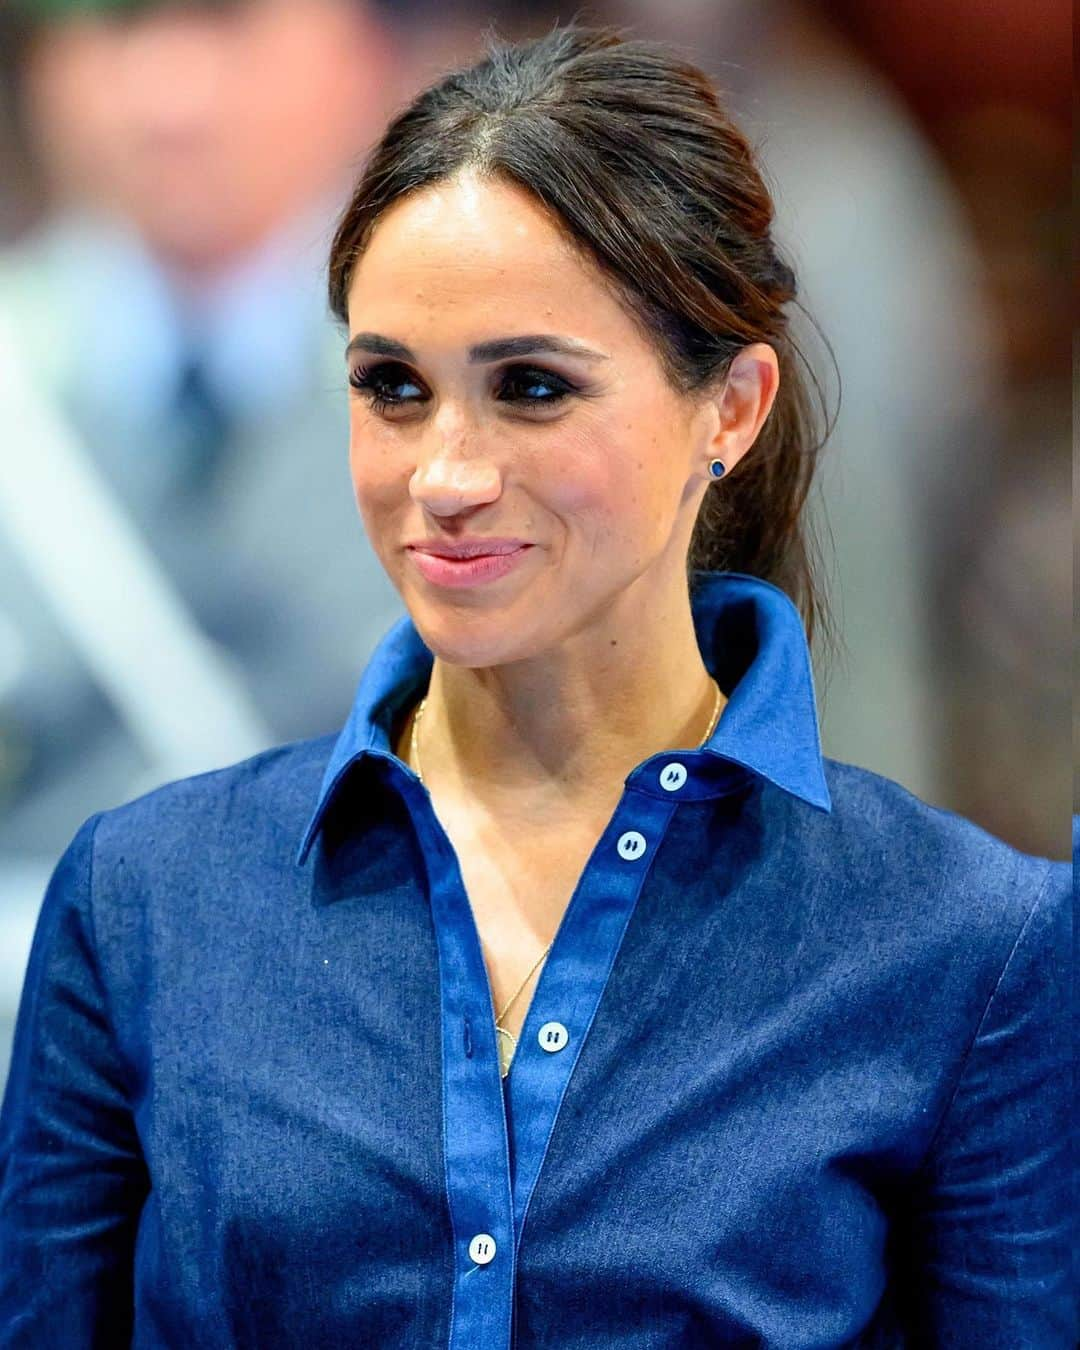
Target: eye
530,386
375,383
522,378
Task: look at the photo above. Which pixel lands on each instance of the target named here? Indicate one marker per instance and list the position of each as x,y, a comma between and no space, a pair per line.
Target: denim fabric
796,1073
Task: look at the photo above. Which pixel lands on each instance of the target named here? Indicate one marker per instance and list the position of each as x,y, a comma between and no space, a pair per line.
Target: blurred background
183,575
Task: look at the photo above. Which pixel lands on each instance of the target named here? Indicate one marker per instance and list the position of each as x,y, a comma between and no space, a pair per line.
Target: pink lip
461,572
473,547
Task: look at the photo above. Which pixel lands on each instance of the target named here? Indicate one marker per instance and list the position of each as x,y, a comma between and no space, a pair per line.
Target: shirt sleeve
990,1243
72,1176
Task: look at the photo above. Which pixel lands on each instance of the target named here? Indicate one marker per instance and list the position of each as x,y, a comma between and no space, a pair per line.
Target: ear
745,401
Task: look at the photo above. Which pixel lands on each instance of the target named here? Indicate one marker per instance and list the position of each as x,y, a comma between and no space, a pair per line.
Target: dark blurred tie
202,432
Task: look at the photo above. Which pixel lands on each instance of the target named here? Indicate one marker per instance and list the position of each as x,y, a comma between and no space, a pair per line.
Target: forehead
475,245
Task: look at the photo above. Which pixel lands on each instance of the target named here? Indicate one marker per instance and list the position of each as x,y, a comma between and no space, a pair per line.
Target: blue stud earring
716,468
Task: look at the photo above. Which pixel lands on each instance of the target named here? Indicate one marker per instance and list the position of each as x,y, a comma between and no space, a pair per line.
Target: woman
569,997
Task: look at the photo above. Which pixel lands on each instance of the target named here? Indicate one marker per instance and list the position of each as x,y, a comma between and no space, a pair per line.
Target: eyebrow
483,352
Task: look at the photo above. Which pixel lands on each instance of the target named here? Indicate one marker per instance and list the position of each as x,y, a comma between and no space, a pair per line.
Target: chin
475,638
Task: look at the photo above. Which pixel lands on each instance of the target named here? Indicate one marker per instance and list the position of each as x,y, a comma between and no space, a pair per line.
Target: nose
449,483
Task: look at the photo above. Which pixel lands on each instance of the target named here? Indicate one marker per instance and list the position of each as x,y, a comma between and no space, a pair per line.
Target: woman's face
587,457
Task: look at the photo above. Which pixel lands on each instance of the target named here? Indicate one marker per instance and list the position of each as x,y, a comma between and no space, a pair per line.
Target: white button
482,1249
552,1036
673,777
631,845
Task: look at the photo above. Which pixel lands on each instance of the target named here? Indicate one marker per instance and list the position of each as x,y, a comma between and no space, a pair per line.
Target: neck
561,731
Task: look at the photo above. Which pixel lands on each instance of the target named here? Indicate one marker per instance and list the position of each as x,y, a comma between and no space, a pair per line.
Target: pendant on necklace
506,1049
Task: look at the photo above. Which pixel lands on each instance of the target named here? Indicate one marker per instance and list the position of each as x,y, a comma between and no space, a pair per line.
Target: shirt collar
752,640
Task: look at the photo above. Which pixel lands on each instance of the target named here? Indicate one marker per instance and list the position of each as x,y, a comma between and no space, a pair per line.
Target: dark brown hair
628,144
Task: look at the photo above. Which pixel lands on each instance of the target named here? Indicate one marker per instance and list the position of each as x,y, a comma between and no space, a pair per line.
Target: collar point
304,850
821,799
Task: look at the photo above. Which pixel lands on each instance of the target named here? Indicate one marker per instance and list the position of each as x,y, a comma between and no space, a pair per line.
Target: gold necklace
506,1040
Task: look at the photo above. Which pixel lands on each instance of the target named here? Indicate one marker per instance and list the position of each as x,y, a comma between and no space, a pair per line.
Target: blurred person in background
168,306
182,578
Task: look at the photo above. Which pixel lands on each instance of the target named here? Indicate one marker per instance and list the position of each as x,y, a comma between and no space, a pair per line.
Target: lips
458,572
473,548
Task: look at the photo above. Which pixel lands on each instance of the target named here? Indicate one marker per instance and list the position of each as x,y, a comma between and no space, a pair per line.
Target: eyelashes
376,384
372,382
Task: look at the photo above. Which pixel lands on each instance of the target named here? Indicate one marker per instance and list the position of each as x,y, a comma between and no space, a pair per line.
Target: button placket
476,1146
595,922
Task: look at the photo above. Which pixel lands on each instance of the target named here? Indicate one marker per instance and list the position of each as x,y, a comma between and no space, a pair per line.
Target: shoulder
255,809
923,879
876,815
193,864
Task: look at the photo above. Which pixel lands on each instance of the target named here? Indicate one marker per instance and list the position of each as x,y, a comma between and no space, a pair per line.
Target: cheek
604,491
380,484
376,463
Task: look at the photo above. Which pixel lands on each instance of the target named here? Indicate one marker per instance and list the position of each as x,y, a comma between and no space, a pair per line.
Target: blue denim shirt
795,1073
